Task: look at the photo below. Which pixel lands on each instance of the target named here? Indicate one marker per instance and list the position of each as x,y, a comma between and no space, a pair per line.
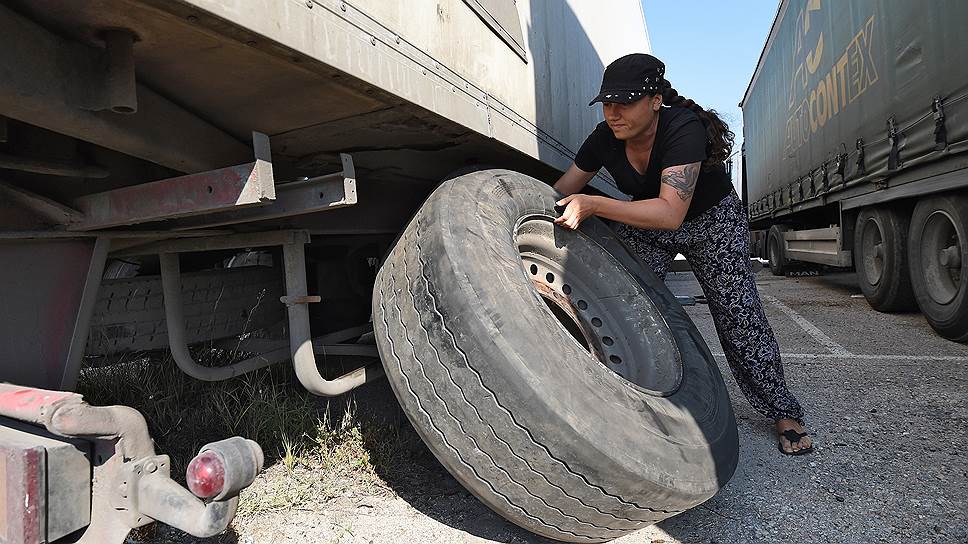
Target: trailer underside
201,89
106,106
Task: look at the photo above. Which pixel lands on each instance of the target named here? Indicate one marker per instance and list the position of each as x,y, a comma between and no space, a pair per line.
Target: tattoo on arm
682,178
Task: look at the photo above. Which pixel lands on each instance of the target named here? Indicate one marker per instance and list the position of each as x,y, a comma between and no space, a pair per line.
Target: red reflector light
206,475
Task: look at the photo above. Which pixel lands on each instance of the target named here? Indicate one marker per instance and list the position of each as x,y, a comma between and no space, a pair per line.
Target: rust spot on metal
193,194
27,399
32,496
32,405
564,303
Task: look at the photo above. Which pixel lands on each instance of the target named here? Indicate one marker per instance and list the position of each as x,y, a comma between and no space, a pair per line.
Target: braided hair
719,139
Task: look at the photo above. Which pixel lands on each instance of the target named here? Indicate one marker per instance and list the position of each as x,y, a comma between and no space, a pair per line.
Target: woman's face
629,121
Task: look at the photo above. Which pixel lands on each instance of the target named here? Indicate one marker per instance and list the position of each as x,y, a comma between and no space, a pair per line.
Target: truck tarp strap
861,169
940,132
893,160
842,166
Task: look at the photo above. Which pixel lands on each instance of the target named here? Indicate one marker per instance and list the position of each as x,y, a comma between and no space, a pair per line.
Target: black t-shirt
680,138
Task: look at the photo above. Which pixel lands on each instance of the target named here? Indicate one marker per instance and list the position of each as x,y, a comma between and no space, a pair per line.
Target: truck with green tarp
855,139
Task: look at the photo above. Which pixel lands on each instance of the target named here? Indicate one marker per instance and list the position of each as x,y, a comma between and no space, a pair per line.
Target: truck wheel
776,250
548,370
938,245
880,259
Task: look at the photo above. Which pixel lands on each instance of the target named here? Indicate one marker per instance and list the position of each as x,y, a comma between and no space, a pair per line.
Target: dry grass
316,449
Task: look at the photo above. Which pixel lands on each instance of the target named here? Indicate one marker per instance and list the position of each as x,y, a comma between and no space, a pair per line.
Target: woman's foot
793,440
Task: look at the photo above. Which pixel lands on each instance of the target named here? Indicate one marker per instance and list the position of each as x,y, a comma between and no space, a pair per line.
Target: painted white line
810,328
956,358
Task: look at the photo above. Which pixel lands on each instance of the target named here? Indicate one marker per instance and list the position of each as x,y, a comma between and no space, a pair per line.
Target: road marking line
956,358
810,328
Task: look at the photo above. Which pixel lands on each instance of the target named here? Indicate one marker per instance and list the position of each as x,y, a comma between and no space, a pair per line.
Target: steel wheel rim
584,313
941,257
872,260
547,279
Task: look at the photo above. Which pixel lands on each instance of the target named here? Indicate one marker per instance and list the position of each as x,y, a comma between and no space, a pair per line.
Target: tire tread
538,524
611,517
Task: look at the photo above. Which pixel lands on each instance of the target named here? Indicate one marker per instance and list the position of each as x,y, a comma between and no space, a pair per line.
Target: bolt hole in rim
643,354
941,257
873,259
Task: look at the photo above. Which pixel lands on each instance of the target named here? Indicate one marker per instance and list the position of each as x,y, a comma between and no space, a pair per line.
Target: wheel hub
951,257
941,263
873,259
879,252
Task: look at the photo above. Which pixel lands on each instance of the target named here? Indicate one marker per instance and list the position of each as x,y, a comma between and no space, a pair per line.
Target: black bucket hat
631,78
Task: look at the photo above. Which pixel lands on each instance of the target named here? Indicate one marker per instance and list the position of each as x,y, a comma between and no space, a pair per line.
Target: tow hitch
68,468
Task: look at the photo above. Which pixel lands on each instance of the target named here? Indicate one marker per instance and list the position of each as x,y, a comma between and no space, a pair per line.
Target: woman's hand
578,207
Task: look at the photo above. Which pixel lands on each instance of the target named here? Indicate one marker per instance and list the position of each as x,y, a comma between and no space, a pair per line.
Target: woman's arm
663,213
573,180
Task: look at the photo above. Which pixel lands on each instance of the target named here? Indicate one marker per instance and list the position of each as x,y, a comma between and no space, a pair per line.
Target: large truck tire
880,259
938,244
776,250
548,370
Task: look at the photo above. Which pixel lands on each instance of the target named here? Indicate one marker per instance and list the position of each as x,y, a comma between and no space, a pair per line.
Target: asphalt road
886,401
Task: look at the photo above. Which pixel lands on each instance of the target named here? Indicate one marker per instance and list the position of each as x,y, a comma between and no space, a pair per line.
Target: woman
671,161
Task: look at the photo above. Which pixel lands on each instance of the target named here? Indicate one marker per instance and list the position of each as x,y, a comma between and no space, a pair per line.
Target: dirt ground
887,403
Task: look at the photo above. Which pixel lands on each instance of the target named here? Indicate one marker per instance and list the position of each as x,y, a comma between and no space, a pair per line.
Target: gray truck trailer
856,132
314,178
